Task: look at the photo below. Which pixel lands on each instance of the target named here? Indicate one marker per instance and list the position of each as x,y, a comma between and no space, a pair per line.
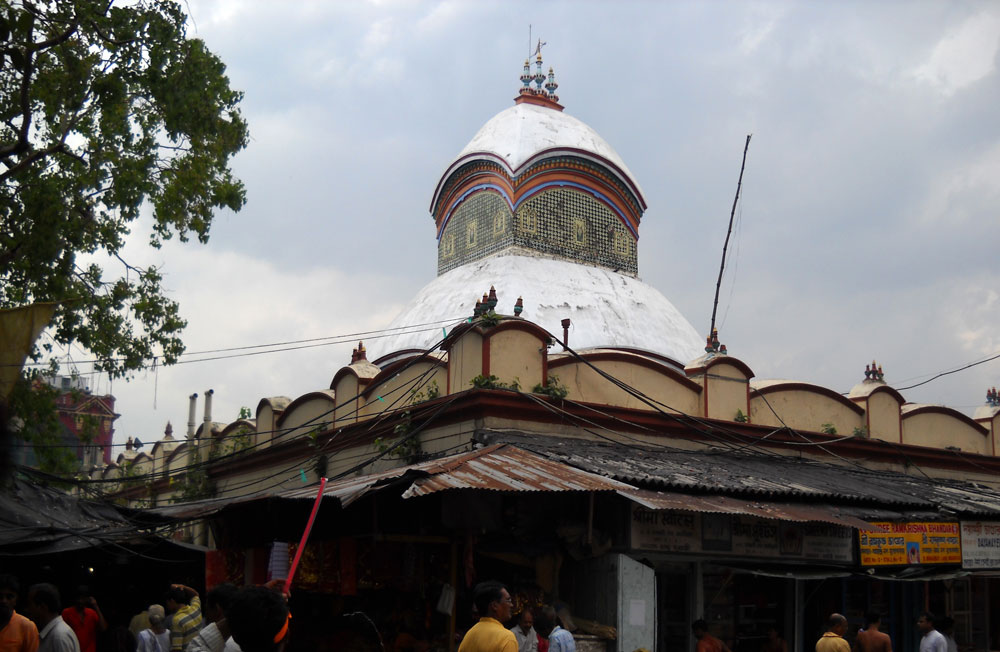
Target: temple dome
521,135
607,309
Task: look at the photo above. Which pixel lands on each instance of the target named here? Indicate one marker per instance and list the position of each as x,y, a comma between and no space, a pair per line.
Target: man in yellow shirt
489,635
833,639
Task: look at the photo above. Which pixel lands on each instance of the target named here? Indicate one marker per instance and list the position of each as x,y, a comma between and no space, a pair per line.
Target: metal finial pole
718,284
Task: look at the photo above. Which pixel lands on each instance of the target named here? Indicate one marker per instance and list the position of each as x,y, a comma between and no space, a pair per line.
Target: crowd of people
248,619
531,632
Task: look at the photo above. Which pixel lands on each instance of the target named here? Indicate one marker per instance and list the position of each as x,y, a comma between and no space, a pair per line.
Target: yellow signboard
910,544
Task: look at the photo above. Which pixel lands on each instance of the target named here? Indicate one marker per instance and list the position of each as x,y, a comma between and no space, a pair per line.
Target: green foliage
552,388
860,431
740,417
489,319
828,428
106,110
34,403
245,413
494,382
408,449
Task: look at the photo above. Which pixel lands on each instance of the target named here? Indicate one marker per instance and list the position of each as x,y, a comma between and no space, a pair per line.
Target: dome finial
539,75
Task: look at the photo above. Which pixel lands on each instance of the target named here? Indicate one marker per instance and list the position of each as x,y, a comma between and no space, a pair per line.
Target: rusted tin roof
762,476
729,505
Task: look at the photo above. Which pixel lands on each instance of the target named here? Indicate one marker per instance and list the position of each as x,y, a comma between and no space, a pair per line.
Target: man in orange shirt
833,640
85,619
17,633
870,639
706,642
489,635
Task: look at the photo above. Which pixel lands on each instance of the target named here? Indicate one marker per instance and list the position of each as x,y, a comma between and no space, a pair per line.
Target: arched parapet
407,381
988,416
803,406
178,460
725,383
238,435
349,384
583,376
937,426
269,410
882,405
311,412
514,350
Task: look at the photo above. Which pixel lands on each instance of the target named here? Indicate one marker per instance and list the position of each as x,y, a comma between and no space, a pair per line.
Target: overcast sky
868,225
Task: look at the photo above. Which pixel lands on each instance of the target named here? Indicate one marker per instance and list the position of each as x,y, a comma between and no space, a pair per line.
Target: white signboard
980,544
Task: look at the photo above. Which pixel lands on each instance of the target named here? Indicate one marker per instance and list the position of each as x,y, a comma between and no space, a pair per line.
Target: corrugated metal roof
754,474
506,468
728,505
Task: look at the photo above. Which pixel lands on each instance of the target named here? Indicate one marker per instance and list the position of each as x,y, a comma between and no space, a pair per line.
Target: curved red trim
815,389
389,372
883,389
720,359
235,425
507,323
343,371
457,163
174,453
632,358
947,411
300,400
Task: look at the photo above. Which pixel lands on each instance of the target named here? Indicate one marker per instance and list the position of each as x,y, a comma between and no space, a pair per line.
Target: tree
105,112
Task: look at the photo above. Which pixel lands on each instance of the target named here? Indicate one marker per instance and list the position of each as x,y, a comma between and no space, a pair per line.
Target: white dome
517,136
607,309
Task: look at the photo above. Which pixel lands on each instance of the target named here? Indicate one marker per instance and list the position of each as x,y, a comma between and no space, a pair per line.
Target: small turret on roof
544,91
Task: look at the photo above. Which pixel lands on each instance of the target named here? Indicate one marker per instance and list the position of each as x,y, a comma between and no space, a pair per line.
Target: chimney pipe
207,429
191,408
565,325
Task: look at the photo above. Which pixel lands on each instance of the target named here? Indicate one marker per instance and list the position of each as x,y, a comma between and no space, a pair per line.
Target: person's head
836,624
493,600
43,603
156,614
355,632
526,620
9,587
699,628
82,596
925,622
258,619
175,599
217,601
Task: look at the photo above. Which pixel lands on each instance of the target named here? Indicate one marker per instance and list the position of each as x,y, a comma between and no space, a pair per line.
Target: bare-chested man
870,639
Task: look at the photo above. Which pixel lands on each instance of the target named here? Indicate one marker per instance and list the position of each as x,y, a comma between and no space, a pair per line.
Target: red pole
305,536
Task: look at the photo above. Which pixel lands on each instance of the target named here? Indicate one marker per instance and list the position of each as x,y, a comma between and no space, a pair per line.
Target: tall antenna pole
732,214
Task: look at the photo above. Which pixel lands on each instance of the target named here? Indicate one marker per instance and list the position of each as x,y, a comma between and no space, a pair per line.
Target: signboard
910,544
739,536
980,544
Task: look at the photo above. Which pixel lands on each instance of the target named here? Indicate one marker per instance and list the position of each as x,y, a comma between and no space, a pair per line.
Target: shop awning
750,507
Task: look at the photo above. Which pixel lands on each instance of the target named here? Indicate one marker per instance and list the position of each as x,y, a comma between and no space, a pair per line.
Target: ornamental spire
543,92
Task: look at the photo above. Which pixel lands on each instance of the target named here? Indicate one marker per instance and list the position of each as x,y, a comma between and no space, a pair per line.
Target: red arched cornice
364,377
323,395
507,323
880,389
705,365
809,387
946,411
649,354
177,451
391,370
251,424
542,154
630,358
276,403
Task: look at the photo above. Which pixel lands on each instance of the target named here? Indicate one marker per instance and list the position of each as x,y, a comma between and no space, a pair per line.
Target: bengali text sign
910,544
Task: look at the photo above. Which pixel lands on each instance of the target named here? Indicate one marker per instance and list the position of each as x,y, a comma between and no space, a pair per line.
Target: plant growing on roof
828,429
552,388
741,417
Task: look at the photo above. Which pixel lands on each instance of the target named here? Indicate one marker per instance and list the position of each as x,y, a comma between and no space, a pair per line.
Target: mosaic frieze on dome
479,171
560,222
